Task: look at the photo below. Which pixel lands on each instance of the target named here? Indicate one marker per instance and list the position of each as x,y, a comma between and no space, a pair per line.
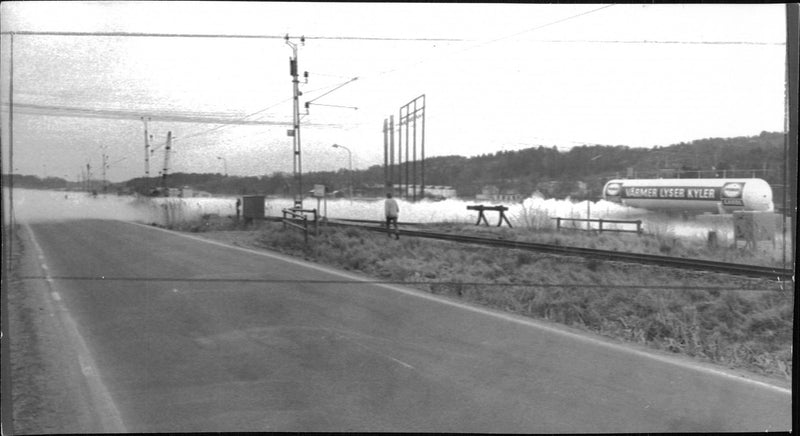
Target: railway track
753,271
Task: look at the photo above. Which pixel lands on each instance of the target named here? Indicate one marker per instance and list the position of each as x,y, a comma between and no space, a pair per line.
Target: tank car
721,196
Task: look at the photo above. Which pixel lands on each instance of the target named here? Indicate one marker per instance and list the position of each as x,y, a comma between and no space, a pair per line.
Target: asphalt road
177,334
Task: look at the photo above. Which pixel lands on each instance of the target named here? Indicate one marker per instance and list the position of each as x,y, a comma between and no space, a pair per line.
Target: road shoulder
49,391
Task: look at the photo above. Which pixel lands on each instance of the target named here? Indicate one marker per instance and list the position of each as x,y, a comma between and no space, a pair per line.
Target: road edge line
104,407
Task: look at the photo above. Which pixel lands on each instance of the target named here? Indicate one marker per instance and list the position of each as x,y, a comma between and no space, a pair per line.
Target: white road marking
484,311
102,402
377,352
398,361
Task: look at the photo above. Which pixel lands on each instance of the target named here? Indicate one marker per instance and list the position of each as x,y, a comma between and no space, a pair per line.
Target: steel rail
753,271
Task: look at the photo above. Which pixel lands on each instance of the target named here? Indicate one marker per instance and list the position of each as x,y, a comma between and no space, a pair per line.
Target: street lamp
350,162
225,164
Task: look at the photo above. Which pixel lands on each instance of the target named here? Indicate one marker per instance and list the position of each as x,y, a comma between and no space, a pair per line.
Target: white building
432,191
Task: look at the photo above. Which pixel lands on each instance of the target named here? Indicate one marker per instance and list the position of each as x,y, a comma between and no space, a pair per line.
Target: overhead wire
211,35
220,127
155,148
156,116
491,41
224,123
753,287
645,41
102,113
334,89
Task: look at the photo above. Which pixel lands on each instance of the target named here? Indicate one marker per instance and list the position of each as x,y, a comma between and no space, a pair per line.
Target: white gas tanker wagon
722,196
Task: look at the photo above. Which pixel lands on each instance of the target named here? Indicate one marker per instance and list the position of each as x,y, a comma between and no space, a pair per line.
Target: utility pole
386,151
350,166
295,132
408,155
422,145
146,150
400,154
166,161
414,160
10,148
409,113
7,236
105,165
391,151
224,163
791,123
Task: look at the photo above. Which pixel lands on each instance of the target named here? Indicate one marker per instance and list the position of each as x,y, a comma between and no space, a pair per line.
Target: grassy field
660,243
738,322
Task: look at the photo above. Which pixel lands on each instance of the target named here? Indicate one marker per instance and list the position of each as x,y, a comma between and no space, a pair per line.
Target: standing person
392,211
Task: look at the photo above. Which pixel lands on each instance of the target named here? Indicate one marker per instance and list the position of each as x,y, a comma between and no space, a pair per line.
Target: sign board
319,190
672,192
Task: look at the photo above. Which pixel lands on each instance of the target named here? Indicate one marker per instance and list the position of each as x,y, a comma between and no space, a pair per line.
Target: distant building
582,189
435,191
562,189
494,194
187,192
431,191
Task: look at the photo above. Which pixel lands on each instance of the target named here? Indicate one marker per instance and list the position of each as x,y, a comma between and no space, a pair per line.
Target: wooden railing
600,222
297,218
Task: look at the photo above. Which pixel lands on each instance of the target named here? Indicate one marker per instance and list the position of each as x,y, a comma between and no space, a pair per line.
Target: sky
495,77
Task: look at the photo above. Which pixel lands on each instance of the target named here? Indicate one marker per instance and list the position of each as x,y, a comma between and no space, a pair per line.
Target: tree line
542,168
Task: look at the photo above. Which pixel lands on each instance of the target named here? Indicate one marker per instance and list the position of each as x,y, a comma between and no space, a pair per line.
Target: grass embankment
708,316
660,243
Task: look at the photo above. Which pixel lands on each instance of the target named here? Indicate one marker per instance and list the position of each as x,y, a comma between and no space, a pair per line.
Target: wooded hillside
546,169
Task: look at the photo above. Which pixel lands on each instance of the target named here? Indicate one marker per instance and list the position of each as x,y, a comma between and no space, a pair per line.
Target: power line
187,117
571,17
645,41
99,113
216,35
491,41
334,89
69,111
102,113
378,38
408,283
253,114
220,127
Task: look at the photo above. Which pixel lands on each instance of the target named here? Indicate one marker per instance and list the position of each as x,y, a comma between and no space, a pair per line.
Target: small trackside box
253,206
